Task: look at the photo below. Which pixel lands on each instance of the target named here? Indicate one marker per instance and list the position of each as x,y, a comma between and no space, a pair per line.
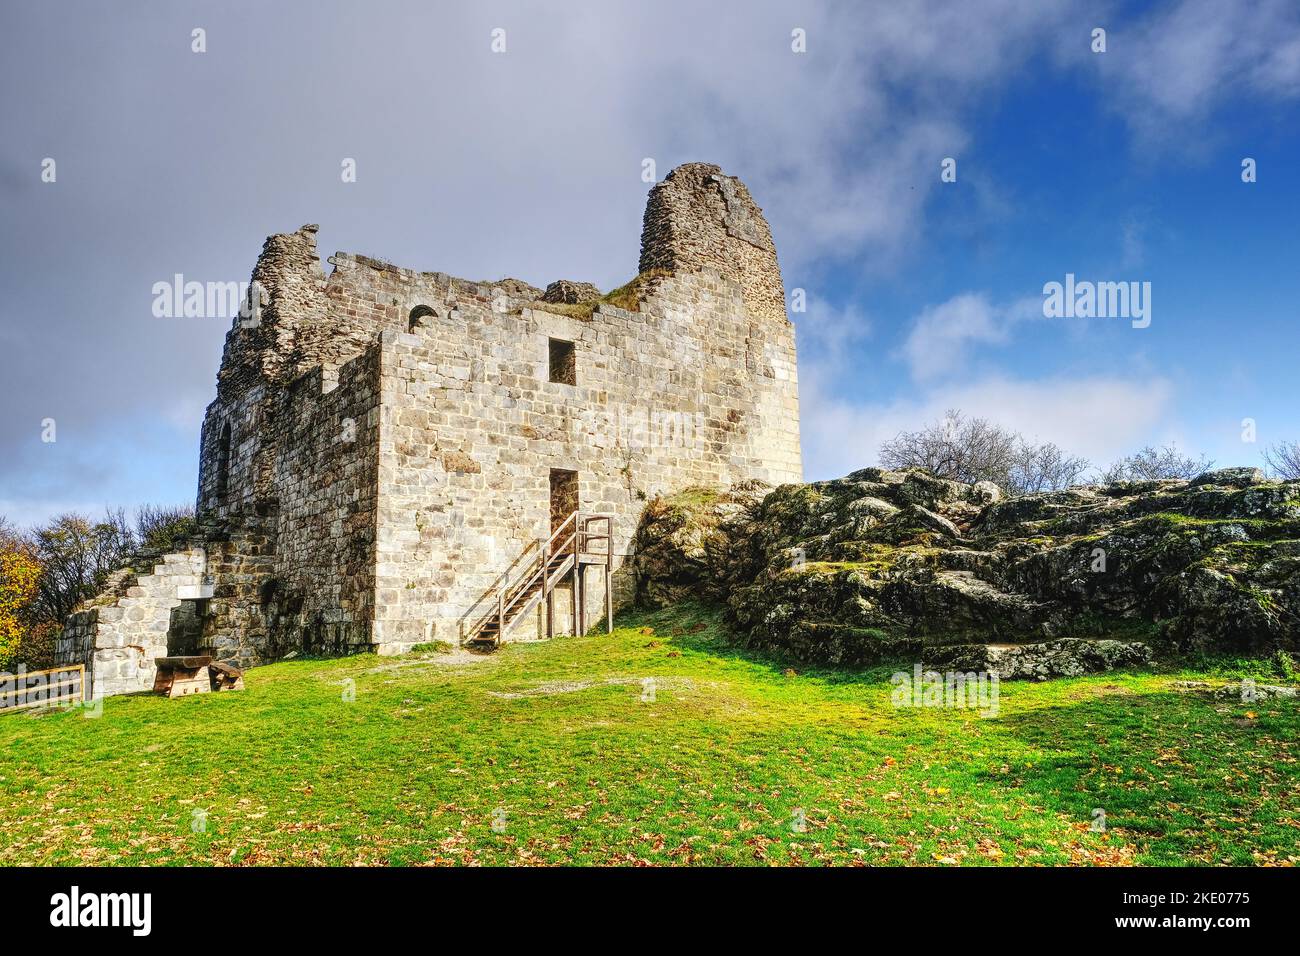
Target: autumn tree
76,556
19,574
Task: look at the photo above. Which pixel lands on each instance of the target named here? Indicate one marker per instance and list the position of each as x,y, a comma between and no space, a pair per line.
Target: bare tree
76,556
974,449
1044,467
956,447
1283,460
1151,464
160,526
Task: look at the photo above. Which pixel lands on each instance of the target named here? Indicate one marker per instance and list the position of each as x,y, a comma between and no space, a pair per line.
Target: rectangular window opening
563,361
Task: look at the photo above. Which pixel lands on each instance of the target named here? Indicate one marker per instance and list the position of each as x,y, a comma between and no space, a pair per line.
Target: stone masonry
118,635
382,442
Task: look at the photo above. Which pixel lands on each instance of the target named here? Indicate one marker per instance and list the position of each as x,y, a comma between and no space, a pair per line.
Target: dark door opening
185,631
564,495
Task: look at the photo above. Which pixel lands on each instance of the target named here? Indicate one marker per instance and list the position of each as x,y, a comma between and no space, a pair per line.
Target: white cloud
1188,58
827,333
1100,418
528,163
841,145
941,336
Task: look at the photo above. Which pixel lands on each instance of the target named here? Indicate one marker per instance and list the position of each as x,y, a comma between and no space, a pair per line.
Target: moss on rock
882,563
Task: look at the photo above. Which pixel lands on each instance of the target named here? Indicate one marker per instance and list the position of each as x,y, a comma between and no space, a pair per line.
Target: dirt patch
552,688
453,658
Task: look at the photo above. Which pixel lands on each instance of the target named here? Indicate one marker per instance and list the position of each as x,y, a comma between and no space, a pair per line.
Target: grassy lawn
548,753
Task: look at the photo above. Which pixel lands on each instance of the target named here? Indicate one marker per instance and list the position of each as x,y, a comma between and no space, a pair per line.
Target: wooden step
521,601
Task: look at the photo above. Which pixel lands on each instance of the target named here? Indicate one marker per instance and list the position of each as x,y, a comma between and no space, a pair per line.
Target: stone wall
689,391
321,597
241,565
700,218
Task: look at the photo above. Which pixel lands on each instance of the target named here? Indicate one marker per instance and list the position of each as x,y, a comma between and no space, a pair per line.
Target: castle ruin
387,447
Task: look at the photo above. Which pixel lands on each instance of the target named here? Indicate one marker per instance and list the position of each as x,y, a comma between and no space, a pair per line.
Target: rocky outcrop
683,542
881,563
1066,657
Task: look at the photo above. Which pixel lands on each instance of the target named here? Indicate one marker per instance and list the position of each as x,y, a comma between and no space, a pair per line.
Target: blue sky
1115,166
1055,179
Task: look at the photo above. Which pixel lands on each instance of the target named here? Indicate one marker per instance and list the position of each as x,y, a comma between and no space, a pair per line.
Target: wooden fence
56,687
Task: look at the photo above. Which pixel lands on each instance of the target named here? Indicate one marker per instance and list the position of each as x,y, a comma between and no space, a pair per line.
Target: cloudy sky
1123,165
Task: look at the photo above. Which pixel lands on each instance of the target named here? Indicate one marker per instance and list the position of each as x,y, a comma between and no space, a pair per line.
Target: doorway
564,495
185,628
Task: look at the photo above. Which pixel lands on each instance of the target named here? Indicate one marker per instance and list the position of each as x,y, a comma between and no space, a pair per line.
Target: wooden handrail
539,570
563,524
511,590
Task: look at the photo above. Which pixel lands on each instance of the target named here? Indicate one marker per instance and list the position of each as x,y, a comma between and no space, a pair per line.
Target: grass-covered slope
563,747
883,563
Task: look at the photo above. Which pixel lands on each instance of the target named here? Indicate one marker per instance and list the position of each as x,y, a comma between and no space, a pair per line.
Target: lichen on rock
883,563
683,543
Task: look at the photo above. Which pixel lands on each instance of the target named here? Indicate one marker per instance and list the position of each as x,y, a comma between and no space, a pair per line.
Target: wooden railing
571,539
608,537
56,686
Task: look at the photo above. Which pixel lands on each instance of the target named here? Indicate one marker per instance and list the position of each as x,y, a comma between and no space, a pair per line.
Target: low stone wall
118,636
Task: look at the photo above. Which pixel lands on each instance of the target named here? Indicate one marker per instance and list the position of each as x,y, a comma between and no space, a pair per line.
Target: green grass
555,743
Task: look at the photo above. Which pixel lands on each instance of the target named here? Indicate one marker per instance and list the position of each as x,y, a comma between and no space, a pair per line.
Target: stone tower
385,444
701,219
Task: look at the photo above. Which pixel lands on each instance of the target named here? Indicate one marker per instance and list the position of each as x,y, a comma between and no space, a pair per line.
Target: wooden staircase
572,547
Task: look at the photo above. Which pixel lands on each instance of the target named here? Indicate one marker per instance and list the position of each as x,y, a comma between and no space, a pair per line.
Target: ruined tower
386,444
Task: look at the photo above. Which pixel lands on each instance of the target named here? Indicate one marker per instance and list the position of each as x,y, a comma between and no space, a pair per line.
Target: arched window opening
421,318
